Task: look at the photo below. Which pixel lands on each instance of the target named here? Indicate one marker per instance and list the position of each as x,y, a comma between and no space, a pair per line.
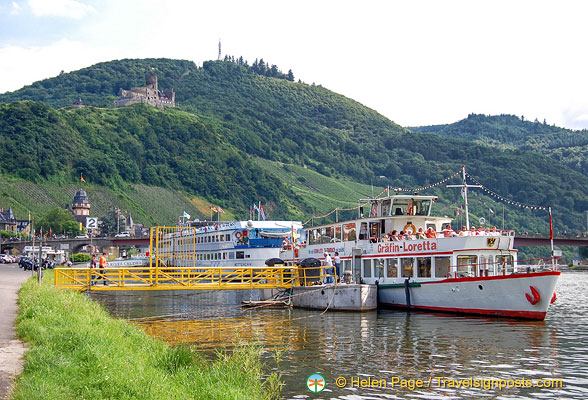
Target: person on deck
431,234
448,231
102,263
328,263
420,234
338,275
93,267
464,231
394,235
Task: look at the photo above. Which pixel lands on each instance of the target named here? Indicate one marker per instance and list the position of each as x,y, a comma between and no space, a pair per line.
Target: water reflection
382,345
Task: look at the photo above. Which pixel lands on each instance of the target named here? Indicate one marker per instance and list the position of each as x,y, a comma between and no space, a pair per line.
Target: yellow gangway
172,266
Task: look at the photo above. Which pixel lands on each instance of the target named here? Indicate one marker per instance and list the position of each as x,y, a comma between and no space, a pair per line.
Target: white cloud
60,8
22,64
15,9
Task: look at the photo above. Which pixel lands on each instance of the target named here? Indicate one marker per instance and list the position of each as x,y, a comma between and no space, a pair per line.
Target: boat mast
464,190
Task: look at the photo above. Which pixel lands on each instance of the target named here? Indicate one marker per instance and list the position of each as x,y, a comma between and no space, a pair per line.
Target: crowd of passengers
431,234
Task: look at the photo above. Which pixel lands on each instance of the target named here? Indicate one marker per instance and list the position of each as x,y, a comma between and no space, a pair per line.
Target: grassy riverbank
78,351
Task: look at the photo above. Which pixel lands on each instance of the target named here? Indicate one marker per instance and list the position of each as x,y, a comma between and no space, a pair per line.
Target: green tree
56,220
71,228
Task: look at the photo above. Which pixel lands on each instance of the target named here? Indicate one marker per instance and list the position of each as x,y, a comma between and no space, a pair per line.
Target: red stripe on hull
492,278
536,315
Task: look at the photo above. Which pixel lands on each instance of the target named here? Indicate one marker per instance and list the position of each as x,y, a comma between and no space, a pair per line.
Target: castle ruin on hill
149,94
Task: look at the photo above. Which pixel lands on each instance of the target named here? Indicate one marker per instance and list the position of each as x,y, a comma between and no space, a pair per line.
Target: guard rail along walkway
172,266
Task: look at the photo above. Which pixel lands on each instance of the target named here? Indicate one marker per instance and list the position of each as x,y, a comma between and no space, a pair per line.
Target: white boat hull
502,296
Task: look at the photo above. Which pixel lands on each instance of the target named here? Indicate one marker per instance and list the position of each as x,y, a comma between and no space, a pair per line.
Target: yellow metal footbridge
173,266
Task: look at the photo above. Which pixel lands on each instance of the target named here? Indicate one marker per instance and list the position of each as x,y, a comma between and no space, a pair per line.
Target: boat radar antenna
464,192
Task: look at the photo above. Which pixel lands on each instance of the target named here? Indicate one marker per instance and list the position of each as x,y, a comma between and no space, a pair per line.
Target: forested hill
510,131
234,129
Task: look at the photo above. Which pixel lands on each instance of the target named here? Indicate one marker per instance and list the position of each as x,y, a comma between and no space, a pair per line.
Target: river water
390,348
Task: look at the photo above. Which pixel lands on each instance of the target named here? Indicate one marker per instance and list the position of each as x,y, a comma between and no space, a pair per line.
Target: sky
415,62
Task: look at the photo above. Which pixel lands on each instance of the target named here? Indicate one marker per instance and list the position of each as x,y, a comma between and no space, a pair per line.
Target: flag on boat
213,208
186,215
220,210
491,211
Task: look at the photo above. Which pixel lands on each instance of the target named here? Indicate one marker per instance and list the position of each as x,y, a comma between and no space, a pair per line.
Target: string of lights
432,185
504,199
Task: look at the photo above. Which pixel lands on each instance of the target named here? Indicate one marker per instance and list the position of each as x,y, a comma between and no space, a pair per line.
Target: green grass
78,351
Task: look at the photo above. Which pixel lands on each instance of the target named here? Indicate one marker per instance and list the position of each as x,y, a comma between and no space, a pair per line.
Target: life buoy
411,226
536,296
238,235
553,298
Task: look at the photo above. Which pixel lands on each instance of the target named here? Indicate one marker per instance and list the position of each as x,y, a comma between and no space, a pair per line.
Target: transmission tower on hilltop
219,49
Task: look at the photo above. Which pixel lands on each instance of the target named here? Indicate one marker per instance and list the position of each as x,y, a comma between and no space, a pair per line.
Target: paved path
11,349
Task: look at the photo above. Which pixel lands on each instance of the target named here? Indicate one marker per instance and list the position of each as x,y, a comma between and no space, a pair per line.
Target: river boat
226,244
467,273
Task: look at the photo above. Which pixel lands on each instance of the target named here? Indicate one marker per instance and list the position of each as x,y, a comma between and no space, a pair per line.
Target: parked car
123,235
82,237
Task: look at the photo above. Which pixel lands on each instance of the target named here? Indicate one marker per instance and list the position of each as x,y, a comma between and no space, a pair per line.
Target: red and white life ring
536,296
238,235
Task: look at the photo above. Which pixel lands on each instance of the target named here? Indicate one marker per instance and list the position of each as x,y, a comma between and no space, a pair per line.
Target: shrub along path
11,349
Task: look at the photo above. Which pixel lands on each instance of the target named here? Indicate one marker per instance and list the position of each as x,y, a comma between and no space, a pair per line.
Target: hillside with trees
512,132
239,134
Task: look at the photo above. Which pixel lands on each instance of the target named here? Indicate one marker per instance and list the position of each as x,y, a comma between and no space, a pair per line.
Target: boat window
466,265
228,237
363,232
424,267
442,266
209,239
374,230
482,266
330,234
379,267
337,236
324,236
505,264
491,265
374,210
231,255
346,265
423,207
407,266
312,236
392,267
386,208
367,268
240,255
349,232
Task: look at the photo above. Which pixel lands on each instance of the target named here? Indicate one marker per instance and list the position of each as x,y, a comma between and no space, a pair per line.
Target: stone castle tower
149,94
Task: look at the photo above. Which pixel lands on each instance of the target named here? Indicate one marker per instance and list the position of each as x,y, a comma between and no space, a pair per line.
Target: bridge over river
75,245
